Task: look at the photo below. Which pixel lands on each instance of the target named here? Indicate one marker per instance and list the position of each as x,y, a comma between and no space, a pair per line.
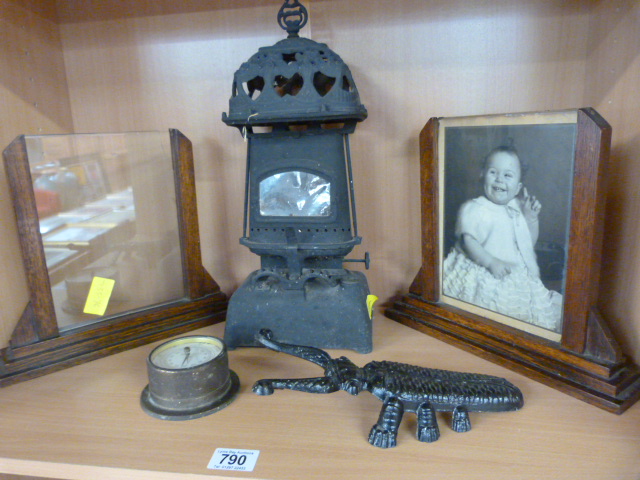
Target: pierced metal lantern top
296,80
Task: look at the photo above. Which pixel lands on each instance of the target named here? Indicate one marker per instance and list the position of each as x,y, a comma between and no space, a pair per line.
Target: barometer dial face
186,352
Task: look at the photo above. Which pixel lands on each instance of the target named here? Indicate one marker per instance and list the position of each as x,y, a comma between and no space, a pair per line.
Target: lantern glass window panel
295,194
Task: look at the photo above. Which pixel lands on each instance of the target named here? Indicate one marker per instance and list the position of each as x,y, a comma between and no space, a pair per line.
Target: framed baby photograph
504,214
512,222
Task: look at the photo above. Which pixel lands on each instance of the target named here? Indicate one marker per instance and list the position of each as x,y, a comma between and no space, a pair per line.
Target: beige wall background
108,66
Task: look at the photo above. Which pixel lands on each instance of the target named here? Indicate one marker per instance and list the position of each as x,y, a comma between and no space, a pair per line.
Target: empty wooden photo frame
108,227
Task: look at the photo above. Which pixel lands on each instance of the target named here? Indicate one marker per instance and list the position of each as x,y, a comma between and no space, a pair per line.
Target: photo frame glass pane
505,216
108,221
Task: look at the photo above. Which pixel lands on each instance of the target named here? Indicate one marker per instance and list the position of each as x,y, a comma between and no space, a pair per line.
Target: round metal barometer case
189,377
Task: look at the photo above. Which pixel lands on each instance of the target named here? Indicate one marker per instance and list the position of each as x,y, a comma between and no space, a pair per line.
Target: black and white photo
506,210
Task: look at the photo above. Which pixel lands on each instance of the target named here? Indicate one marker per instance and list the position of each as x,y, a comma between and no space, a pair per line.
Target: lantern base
318,309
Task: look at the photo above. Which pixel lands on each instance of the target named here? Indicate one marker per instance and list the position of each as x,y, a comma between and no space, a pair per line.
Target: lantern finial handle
292,16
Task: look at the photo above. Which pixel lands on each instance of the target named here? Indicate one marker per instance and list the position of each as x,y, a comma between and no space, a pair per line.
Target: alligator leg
309,385
460,421
428,430
384,433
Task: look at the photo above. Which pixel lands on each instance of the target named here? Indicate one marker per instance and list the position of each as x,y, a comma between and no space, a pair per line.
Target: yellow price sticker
99,295
371,300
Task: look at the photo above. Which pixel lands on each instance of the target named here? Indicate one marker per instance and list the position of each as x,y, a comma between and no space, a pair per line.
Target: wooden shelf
74,66
86,422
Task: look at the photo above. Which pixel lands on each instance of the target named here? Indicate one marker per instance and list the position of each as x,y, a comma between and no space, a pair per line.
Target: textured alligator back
442,388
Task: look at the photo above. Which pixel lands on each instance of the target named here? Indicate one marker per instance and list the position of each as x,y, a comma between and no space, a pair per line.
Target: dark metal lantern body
296,103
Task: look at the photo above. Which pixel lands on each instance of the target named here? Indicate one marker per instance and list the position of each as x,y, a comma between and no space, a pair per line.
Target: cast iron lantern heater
296,103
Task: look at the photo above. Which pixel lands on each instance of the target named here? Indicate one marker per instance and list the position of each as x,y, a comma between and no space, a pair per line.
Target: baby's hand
498,268
530,206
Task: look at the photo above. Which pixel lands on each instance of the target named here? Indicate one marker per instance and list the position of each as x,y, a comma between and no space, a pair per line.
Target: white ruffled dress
503,232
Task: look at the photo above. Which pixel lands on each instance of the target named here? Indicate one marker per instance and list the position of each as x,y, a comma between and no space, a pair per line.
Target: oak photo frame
41,343
580,357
